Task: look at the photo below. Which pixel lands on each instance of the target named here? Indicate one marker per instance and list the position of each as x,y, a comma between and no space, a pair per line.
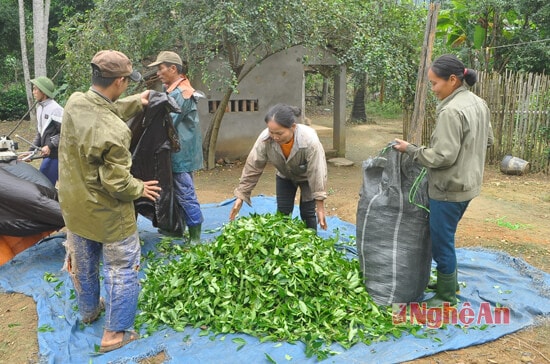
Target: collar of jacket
448,99
94,91
45,102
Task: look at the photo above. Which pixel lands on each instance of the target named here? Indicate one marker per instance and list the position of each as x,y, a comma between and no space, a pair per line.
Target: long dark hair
284,115
448,65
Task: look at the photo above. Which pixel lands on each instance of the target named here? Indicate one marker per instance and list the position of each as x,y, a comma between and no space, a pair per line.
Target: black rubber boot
195,233
445,290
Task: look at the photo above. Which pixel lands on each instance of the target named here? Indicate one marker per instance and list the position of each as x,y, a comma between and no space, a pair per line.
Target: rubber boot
445,290
195,233
433,286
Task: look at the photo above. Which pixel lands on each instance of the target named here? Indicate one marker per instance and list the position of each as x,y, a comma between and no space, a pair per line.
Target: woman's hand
320,207
235,209
400,145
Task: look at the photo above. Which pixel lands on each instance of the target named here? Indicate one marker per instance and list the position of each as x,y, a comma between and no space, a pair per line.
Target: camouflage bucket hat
45,85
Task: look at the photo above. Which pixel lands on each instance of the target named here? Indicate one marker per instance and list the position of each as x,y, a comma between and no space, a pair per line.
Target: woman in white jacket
298,155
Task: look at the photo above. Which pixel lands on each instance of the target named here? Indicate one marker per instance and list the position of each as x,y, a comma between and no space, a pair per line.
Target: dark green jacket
96,189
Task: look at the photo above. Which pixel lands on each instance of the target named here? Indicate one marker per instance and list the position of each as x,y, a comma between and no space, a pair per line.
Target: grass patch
501,221
385,110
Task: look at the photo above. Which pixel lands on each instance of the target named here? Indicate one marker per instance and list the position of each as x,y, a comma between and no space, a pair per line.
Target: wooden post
414,132
339,121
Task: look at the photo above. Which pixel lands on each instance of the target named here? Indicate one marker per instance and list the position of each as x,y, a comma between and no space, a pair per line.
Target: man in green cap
48,115
172,72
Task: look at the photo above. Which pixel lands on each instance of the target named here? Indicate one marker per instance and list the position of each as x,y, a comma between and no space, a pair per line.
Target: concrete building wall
278,79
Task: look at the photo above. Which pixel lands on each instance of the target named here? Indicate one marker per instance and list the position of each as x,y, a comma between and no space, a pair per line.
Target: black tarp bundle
28,201
153,140
393,236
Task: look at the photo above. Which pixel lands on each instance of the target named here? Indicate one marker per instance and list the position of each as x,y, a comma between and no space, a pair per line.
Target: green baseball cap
45,85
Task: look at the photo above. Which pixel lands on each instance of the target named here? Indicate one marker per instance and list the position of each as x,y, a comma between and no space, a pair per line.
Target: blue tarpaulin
491,279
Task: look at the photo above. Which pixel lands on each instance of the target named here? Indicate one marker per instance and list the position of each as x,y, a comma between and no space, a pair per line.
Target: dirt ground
512,214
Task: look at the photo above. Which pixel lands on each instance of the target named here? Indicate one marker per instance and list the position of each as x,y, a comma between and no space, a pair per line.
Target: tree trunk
40,17
324,94
211,137
414,132
24,59
358,111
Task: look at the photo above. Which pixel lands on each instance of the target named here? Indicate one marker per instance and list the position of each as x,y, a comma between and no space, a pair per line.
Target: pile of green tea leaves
267,276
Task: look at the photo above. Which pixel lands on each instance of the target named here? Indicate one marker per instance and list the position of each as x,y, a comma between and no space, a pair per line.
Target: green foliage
497,34
544,136
386,110
383,39
239,34
9,29
14,103
267,276
10,57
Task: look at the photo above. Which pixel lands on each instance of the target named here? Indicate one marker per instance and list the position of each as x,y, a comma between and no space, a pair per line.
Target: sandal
96,314
128,337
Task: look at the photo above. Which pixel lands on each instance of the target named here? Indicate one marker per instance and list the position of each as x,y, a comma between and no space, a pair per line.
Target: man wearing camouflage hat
96,194
48,115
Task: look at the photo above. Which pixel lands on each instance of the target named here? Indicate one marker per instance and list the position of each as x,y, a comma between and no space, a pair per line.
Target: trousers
286,193
444,218
184,189
49,167
121,261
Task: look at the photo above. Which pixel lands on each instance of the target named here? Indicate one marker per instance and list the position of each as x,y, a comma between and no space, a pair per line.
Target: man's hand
25,157
145,97
151,190
45,151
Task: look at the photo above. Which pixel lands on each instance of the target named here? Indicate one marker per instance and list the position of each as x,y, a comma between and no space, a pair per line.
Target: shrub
387,110
14,103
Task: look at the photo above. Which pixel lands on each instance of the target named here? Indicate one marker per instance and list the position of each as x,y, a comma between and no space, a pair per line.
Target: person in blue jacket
172,72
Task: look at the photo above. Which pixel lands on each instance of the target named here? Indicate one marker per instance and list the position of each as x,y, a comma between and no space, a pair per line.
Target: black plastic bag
393,234
153,140
28,201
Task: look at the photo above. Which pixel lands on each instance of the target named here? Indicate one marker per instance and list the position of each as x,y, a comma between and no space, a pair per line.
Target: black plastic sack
153,140
393,236
28,201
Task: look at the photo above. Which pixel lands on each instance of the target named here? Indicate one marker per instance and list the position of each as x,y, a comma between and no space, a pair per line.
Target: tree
10,65
40,42
498,34
358,110
40,16
238,34
244,33
24,59
379,40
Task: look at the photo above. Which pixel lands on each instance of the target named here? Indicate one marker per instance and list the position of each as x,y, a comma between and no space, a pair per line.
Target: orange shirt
286,148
